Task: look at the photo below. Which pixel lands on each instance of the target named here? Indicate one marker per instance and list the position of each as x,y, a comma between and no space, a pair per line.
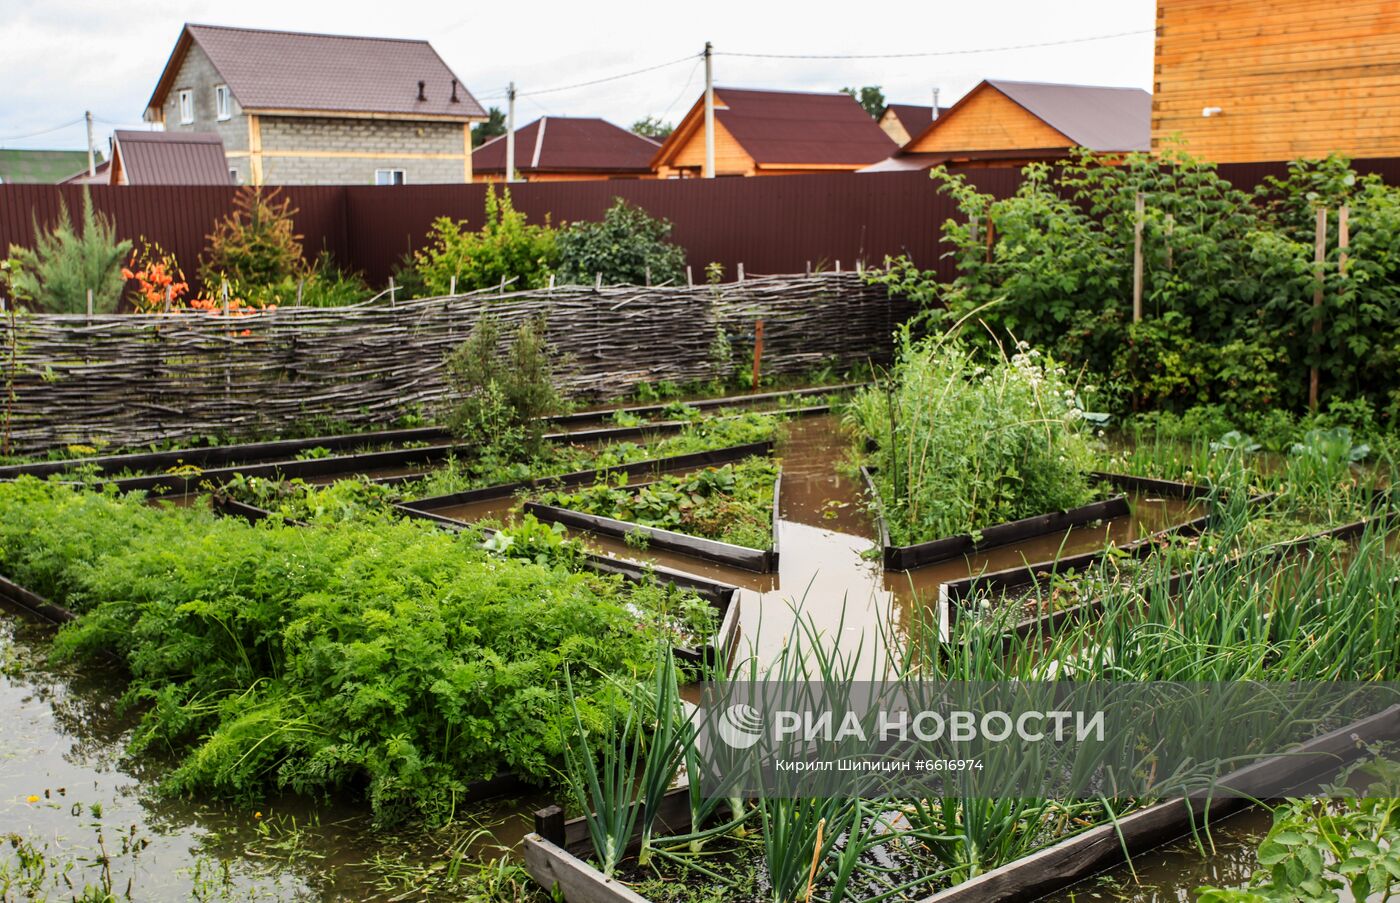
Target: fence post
89,305
648,277
1319,260
838,266
301,285
392,291
597,282
551,282
1139,213
689,279
757,351
741,271
452,285
169,297
809,268
223,294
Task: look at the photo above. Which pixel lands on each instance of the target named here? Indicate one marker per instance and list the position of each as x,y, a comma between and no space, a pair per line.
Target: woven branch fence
129,380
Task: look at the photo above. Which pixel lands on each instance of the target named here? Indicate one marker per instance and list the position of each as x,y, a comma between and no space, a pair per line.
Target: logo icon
740,725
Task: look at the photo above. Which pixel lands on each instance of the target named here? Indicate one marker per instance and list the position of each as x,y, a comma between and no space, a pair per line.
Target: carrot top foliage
380,653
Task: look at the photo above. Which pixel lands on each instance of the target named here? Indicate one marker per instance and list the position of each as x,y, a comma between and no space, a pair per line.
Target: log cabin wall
1290,78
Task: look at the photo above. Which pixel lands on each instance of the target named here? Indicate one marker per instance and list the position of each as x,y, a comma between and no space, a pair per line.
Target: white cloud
65,56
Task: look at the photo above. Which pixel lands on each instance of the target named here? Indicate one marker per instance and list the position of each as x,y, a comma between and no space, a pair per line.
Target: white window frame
386,177
223,105
184,100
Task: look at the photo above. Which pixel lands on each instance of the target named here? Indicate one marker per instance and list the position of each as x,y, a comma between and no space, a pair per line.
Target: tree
66,262
494,125
256,244
870,97
651,127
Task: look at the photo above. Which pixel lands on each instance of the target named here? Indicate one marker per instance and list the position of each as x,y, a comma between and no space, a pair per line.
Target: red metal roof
283,70
789,127
796,127
169,158
1101,119
568,144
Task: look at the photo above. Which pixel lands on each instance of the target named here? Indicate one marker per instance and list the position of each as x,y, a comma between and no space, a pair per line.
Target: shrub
626,247
501,396
65,262
506,247
256,245
961,444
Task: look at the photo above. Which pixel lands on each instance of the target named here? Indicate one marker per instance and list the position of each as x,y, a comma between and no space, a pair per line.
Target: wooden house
1011,123
902,121
769,133
1240,80
559,148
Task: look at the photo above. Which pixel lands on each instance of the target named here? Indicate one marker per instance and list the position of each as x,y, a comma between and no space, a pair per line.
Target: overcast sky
61,57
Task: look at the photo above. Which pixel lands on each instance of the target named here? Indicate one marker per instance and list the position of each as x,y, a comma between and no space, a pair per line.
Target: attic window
221,104
186,98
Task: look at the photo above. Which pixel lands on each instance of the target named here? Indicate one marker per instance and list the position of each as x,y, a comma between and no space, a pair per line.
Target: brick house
310,109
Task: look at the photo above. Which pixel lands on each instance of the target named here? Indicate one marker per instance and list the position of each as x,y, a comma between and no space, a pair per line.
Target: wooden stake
689,279
597,282
551,282
1343,238
452,284
757,351
392,291
1319,259
223,296
838,266
648,277
741,271
1140,212
991,238
301,286
89,304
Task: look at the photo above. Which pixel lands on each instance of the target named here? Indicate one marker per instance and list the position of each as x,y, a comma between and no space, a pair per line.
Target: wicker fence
130,380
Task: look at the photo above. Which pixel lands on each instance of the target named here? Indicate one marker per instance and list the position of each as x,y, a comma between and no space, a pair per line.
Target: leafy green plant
66,262
1319,848
960,444
380,654
627,246
505,249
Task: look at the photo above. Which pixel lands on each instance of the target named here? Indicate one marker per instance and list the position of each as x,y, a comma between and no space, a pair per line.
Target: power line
609,78
44,132
930,53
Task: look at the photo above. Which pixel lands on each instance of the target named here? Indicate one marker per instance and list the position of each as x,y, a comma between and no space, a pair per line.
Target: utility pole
709,112
510,132
92,146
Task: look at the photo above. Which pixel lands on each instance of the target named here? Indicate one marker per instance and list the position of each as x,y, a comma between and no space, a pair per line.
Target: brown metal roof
1101,119
291,71
914,117
169,158
569,144
795,127
789,127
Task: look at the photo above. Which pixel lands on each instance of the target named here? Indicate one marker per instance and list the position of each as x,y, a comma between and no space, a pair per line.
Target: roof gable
1099,118
291,71
559,143
778,128
169,158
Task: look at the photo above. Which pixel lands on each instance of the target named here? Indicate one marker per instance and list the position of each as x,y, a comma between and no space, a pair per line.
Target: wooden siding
1292,79
894,128
689,154
987,120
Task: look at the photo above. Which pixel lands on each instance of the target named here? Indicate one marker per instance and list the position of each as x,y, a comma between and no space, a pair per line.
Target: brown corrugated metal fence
771,225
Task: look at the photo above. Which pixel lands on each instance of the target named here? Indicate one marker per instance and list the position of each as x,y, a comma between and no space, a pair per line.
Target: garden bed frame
585,477
903,558
763,561
952,595
277,450
551,861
